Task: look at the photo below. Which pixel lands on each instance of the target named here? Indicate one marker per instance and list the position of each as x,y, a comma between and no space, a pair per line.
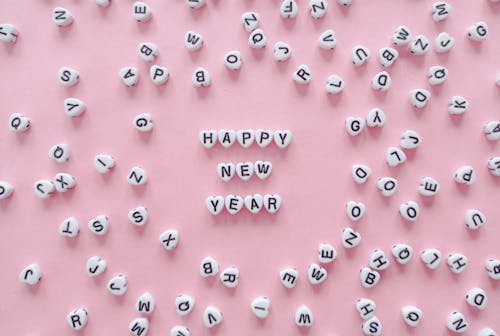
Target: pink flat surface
313,175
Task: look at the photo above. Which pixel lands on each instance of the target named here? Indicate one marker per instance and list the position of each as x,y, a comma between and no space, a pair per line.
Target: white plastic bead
230,276
387,56
440,10
138,216
366,308
143,122
372,326
95,266
64,181
8,33
476,297
184,304
282,51
382,81
318,8
103,163
304,316
250,21
478,32
60,153
419,97
327,40
474,219
260,306
141,11
437,74
129,76
387,185
494,165
409,210
369,278
158,74
74,107
77,319
68,77
137,176
492,130
43,188
457,262
375,118
212,316
360,55
193,41
316,274
428,186
195,3
180,331
289,9
412,315
402,253
147,51
334,84
431,258
118,285
6,189
487,331
354,125
458,105
378,260
350,238
99,225
465,175
302,75
361,173
209,267
103,3
201,77
233,60
288,277
394,156
31,274
410,139
355,210
18,123
62,17
444,42
457,323
145,303
257,39
139,326
401,36
169,239
326,253
69,227
419,45
493,268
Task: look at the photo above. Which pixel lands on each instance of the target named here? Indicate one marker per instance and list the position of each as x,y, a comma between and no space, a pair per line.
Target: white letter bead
411,315
74,107
254,203
208,138
245,137
375,118
437,74
214,204
387,185
282,138
212,316
77,319
440,10
465,175
193,41
169,239
444,42
378,260
272,203
147,51
334,84
494,165
184,304
138,216
456,322
18,122
419,45
8,33
360,173
143,122
419,97
318,8
394,156
195,3
103,163
226,171
99,225
63,182
366,308
250,21
493,268
103,3
478,32
62,17
457,105
257,39
263,169
369,278
209,267
402,253
457,262
264,137
360,55
372,326
233,60
382,81
230,277
355,210
354,125
69,227
327,40
387,56
409,210
304,316
350,238
145,303
302,75
139,327
487,331
474,219
30,275
282,51
288,9
410,139
492,130
129,75
428,186
233,204
401,36
117,285
289,277
6,189
60,153
68,77
201,77
326,253
137,176
95,266
344,2
141,11
158,74
431,257
476,297
42,188
260,306
180,331
316,274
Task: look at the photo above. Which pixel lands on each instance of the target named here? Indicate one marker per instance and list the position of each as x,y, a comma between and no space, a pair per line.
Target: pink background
313,175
